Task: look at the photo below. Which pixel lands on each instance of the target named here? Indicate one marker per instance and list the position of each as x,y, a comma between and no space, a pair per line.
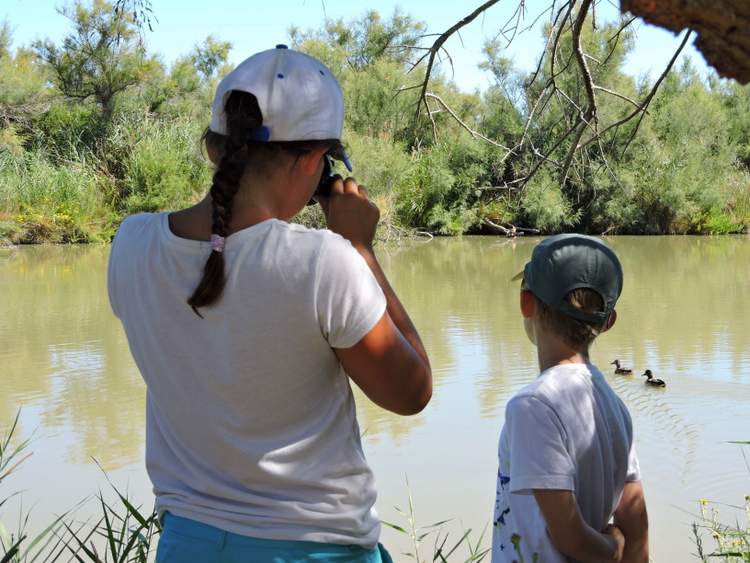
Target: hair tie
217,242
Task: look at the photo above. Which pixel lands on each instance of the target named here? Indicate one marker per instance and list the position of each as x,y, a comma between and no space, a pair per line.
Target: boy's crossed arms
626,541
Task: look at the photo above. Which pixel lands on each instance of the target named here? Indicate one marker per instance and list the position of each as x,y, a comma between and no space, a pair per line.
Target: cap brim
518,276
340,154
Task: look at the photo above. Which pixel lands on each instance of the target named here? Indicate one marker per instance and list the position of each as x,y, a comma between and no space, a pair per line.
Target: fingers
324,203
350,186
337,186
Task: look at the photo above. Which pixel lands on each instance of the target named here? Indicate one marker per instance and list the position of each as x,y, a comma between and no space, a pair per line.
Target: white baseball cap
298,96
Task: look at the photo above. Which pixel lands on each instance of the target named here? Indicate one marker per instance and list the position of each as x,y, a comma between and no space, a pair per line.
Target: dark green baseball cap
562,263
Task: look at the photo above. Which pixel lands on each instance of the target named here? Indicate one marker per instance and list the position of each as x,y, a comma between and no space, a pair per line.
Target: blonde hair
575,333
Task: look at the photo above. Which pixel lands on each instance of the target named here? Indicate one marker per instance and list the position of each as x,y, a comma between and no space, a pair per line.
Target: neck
248,210
553,352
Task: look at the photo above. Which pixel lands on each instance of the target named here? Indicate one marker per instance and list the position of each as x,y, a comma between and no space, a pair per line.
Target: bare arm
631,517
571,535
395,309
390,363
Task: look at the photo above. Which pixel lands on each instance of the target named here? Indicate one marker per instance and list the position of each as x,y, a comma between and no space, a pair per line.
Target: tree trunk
723,28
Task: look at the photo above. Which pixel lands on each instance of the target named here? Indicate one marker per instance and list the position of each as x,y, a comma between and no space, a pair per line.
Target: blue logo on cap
281,46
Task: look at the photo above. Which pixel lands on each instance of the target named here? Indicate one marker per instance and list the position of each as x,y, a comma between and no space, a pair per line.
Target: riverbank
61,215
74,163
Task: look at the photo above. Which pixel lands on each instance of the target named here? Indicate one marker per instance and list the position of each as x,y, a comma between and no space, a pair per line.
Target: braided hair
243,115
237,150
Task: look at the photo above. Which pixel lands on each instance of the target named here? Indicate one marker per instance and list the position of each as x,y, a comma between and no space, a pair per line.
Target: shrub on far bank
164,167
44,202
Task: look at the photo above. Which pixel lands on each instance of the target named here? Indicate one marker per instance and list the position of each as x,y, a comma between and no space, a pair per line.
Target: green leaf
394,526
10,554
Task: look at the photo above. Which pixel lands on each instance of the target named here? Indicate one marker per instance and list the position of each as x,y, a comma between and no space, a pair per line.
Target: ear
309,163
528,304
610,321
213,153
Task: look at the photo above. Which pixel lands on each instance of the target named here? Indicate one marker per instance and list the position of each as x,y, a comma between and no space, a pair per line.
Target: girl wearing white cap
247,329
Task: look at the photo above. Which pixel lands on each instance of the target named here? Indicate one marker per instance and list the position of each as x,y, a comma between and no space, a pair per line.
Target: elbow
420,394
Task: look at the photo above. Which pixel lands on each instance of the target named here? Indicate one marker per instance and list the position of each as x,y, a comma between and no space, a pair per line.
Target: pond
684,314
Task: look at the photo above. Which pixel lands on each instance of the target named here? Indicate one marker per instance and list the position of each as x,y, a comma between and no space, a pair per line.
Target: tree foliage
103,56
76,155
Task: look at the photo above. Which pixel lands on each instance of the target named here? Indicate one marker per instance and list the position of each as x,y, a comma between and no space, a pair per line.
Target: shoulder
542,390
537,404
322,239
528,403
135,226
139,221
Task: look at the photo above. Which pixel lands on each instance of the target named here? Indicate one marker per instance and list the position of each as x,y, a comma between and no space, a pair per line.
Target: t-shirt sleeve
349,300
539,458
634,468
112,279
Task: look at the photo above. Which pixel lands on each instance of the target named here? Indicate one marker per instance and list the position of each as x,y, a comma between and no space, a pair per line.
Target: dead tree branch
588,117
643,106
437,45
617,95
472,132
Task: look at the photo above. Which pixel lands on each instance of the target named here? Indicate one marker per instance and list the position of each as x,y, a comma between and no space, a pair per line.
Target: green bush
164,168
545,206
48,202
82,146
424,188
67,131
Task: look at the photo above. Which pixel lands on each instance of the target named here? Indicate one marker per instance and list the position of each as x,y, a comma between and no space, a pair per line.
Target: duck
653,381
621,370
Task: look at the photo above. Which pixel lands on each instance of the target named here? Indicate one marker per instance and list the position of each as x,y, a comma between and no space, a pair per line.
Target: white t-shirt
251,425
568,430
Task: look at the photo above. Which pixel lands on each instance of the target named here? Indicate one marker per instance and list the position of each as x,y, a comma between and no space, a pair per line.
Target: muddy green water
684,313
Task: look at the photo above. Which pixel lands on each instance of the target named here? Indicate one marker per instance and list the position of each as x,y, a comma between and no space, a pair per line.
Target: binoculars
326,180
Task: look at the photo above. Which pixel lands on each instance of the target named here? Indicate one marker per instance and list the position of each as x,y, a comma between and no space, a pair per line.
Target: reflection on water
684,314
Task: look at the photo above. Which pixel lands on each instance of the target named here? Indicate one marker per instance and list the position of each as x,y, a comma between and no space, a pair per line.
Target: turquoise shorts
187,541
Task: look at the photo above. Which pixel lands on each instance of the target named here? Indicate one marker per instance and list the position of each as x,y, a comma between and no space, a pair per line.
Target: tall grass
43,202
122,532
433,539
731,542
17,546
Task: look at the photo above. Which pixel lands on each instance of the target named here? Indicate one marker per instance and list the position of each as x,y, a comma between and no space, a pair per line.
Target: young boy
567,463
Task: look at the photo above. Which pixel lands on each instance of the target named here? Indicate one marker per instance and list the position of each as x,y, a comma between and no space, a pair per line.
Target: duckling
651,380
620,370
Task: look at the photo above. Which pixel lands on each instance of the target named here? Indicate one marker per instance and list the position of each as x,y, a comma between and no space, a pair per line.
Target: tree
22,81
368,39
209,56
5,39
102,57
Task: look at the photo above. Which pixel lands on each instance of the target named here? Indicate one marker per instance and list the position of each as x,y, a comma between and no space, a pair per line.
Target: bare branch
511,231
643,105
589,116
553,55
436,46
472,132
525,180
588,80
616,39
616,94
